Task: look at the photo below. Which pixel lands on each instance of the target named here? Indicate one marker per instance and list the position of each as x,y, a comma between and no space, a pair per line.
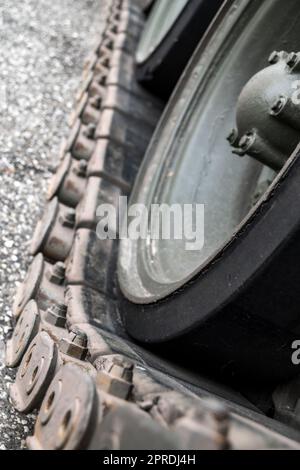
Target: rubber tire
161,71
240,316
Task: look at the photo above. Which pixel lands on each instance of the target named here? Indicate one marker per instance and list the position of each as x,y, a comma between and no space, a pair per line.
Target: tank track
93,387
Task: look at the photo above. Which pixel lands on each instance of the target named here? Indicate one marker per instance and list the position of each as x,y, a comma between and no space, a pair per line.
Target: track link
94,389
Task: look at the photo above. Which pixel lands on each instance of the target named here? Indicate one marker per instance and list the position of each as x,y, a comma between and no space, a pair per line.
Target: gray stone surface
43,44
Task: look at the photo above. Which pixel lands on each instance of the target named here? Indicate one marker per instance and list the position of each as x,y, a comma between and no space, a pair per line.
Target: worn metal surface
267,116
69,181
52,347
54,233
43,45
35,373
114,399
64,421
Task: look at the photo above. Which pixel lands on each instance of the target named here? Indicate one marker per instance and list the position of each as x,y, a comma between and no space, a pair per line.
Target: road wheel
232,307
171,34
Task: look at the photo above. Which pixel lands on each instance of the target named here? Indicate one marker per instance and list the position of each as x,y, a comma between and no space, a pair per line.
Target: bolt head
122,369
274,57
78,336
278,106
97,100
233,137
277,56
68,219
81,168
246,141
90,131
102,80
116,378
71,349
57,274
113,385
56,315
75,345
292,59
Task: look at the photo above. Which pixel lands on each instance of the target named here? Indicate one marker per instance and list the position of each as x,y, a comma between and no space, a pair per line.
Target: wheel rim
152,274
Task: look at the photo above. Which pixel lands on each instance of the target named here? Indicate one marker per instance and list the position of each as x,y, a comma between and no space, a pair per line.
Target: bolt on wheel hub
268,112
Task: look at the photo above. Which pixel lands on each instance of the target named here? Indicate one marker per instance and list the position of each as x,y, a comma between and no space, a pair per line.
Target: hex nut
57,275
74,346
56,315
117,380
71,349
114,386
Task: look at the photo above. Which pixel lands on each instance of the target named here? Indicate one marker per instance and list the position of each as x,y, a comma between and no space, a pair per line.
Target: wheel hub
268,112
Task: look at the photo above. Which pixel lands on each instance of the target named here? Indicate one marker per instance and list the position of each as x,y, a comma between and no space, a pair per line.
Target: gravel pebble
43,45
